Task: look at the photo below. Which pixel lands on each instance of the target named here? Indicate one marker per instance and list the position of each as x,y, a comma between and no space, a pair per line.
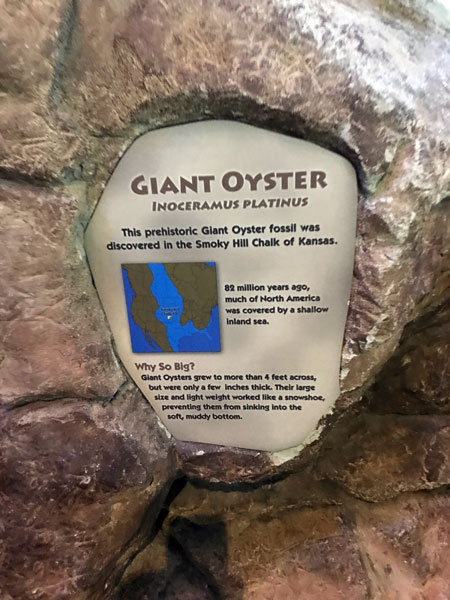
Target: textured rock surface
82,480
381,456
82,484
326,73
415,380
219,464
34,38
110,70
396,550
55,342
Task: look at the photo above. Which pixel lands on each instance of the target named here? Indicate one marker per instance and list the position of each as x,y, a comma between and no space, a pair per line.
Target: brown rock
208,511
203,504
151,64
179,581
303,555
33,145
55,342
81,484
149,569
217,56
309,555
405,543
396,550
381,456
34,141
29,45
122,68
306,554
116,80
206,547
401,251
417,378
219,464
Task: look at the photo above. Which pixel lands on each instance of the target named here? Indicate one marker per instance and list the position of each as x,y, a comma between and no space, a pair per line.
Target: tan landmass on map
197,284
144,306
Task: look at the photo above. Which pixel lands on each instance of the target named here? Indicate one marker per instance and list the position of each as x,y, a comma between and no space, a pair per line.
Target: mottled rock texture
82,484
348,549
55,341
85,466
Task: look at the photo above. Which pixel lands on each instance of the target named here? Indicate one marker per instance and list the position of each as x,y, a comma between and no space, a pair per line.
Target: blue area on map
182,338
196,342
139,342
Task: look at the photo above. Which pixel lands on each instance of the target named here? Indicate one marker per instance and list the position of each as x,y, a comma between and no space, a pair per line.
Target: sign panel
223,254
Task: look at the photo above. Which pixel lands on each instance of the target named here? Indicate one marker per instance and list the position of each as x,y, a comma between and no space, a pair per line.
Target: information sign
222,254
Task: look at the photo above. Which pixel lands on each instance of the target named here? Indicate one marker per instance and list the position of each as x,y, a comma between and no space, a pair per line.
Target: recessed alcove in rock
223,256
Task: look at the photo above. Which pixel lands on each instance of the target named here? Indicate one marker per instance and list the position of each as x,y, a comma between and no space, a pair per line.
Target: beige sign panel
222,254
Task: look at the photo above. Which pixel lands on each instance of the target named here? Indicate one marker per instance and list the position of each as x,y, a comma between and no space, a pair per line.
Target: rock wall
98,502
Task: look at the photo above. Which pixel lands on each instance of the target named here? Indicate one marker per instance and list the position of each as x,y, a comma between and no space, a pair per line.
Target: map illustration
172,307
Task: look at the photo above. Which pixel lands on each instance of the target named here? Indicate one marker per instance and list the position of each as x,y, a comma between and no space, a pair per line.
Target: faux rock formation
89,478
55,341
351,550
82,486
